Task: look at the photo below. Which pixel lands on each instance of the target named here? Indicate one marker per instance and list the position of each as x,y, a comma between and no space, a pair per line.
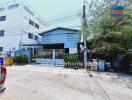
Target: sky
48,9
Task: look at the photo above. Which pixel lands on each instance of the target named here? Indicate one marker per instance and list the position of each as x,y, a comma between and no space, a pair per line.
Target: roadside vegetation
114,34
111,35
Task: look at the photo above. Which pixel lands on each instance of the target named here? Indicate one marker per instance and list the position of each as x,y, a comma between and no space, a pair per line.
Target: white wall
12,29
17,23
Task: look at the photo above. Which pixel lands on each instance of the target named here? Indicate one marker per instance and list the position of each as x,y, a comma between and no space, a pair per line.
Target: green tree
112,35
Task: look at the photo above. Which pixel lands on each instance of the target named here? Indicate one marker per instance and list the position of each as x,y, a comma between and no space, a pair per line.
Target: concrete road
43,83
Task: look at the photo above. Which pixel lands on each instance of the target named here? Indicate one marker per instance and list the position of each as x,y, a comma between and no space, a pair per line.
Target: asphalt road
40,83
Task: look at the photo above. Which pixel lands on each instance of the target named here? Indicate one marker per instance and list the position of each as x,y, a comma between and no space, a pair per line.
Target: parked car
2,76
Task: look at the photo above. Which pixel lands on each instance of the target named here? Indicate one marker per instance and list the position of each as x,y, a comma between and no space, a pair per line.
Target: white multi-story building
19,24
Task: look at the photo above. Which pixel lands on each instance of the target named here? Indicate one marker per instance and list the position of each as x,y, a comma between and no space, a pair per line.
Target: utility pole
84,33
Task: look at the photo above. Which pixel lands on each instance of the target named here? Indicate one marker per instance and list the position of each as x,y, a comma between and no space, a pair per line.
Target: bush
21,59
109,45
109,51
72,61
25,59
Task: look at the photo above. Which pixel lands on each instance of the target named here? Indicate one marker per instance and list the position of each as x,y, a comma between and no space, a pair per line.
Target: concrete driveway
34,82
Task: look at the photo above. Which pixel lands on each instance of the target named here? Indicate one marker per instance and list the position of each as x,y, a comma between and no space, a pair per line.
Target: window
23,49
31,50
2,32
13,6
36,38
2,18
46,54
66,50
36,25
30,35
1,49
35,51
59,54
28,48
31,22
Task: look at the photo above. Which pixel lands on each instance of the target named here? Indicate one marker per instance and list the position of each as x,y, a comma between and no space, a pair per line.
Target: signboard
117,11
72,50
1,61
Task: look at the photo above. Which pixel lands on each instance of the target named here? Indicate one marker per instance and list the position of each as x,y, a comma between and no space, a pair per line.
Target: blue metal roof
59,28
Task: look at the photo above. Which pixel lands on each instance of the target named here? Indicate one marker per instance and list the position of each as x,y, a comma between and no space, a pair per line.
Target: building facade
19,24
57,42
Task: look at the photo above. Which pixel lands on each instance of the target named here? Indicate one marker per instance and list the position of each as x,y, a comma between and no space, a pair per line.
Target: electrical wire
63,15
18,30
61,19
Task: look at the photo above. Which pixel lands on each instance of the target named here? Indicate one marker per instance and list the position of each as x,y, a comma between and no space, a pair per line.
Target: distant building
19,24
55,43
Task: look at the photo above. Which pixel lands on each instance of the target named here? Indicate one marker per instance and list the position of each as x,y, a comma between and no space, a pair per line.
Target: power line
18,26
64,14
61,19
74,26
29,27
67,20
75,15
18,29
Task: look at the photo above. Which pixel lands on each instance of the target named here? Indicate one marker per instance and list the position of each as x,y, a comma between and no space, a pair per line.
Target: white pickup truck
2,76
